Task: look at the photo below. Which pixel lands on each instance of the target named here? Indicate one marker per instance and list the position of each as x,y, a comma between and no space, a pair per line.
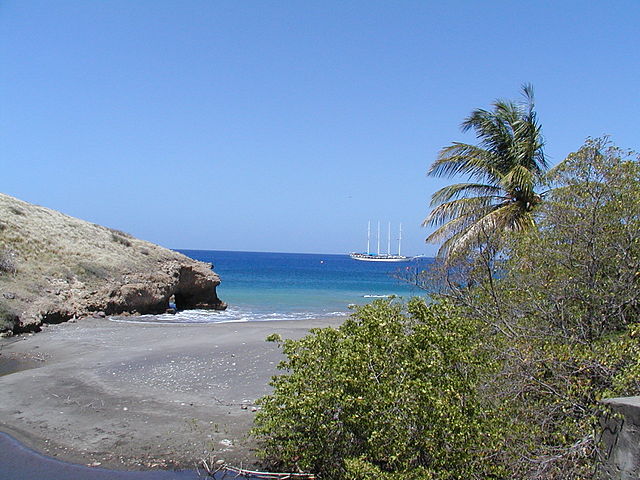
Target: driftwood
235,472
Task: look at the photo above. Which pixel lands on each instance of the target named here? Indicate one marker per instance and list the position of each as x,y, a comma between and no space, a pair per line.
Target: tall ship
381,257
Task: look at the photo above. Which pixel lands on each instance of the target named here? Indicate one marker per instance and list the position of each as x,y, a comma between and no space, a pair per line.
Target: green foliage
392,391
274,337
563,300
589,244
504,171
502,375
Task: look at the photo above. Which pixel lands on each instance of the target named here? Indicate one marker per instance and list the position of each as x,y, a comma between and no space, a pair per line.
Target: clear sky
286,126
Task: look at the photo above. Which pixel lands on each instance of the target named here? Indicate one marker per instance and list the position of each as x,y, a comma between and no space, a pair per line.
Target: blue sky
286,126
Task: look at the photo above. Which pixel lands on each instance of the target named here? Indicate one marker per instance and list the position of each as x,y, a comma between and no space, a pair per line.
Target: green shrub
393,391
563,301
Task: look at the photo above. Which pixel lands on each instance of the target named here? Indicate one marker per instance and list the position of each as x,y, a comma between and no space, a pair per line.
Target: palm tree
503,171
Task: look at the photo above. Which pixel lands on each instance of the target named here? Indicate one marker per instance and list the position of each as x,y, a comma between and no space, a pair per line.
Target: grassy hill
54,267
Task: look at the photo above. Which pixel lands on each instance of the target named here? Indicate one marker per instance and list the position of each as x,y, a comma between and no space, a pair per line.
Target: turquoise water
293,286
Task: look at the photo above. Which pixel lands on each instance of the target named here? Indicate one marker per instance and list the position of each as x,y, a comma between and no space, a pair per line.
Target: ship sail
381,257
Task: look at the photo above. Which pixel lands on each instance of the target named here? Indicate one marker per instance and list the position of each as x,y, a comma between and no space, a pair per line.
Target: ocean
261,286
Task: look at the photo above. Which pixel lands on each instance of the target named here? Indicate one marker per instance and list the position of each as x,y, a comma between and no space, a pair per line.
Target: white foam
231,315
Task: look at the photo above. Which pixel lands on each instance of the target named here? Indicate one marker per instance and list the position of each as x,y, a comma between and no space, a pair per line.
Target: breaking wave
230,315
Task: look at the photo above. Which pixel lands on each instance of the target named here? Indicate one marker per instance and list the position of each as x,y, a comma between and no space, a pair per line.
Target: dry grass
43,251
39,235
7,262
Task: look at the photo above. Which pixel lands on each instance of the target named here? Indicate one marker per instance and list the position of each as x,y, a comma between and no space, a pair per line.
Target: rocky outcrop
620,440
54,267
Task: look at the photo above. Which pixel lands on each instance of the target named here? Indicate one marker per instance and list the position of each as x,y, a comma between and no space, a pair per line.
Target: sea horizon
182,250
266,286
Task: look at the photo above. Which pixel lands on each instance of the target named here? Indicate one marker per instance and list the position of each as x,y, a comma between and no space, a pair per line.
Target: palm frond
490,224
445,248
473,207
464,159
527,93
519,182
449,230
494,131
452,192
504,170
462,233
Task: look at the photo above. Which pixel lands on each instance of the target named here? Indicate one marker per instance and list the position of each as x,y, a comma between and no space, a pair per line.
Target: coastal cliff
54,267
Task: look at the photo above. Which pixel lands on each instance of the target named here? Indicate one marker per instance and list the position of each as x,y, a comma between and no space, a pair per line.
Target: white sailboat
381,257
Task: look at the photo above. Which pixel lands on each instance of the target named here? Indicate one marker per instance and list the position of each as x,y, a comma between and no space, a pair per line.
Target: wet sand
18,462
138,396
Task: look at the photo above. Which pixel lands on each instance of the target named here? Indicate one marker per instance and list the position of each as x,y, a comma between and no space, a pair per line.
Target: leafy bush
563,301
393,391
569,294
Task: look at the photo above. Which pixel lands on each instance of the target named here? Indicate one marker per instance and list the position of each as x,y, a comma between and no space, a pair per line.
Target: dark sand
138,396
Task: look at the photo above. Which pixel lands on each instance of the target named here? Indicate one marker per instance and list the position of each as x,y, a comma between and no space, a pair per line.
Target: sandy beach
138,396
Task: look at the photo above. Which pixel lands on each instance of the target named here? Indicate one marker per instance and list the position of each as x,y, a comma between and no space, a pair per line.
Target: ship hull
379,258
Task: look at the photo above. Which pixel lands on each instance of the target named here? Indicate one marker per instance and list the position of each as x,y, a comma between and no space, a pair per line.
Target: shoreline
20,462
140,395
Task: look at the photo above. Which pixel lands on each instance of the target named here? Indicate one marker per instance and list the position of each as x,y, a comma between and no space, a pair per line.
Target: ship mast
378,237
399,240
368,236
389,239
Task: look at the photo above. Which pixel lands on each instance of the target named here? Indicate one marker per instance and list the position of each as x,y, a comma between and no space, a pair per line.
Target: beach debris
222,468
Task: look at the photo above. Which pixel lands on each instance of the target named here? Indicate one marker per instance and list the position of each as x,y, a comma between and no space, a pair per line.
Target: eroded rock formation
54,267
